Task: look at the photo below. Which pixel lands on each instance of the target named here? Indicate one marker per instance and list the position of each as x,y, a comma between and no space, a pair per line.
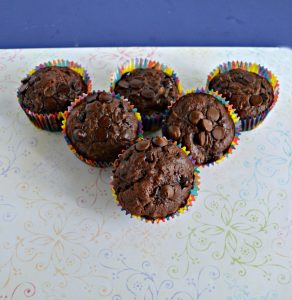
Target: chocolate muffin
151,91
150,86
249,93
50,89
100,126
203,124
153,178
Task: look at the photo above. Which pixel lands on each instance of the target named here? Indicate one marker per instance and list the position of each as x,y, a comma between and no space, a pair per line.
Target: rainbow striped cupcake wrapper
233,115
96,163
150,122
251,122
53,121
190,201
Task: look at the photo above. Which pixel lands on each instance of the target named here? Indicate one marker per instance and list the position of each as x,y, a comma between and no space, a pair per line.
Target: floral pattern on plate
62,237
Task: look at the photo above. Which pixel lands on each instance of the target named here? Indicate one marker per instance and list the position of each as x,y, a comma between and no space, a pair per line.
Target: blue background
73,23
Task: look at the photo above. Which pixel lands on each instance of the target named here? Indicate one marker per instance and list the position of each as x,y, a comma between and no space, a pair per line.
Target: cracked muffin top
153,178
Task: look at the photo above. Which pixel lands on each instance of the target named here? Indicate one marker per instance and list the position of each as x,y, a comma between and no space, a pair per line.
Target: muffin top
202,124
150,90
51,89
101,126
249,93
153,178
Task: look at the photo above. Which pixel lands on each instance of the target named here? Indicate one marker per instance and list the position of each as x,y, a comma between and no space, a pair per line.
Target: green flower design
236,234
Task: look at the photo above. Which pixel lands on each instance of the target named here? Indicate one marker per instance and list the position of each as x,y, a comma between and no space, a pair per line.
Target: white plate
62,236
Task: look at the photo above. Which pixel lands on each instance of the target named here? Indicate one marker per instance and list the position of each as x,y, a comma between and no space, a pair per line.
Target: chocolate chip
174,132
123,84
160,141
202,138
82,116
148,93
143,145
218,133
79,135
90,98
256,100
207,125
213,114
167,191
23,88
105,97
136,83
49,91
63,88
101,135
195,116
104,122
188,139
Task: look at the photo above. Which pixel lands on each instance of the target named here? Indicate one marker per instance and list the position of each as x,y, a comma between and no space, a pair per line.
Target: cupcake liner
150,122
53,121
250,122
189,202
233,115
95,163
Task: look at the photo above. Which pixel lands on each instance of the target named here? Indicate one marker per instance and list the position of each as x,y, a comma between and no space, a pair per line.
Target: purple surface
72,23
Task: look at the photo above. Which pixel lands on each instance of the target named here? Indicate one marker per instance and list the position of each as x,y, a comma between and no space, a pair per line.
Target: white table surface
63,237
